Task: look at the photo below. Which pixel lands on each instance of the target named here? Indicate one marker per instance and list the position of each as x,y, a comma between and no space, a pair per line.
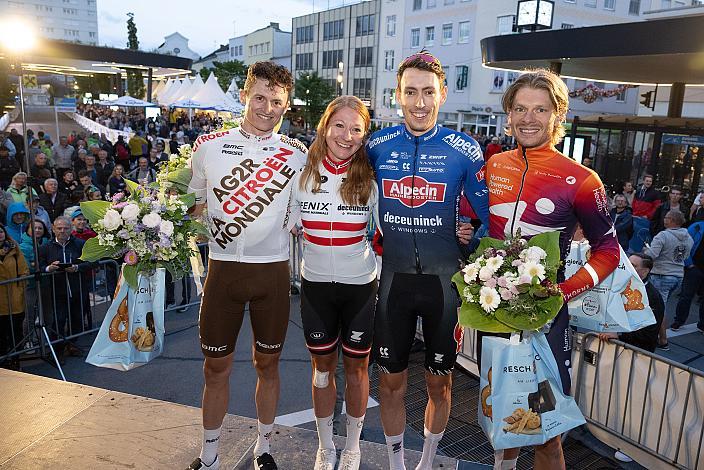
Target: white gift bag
618,304
132,332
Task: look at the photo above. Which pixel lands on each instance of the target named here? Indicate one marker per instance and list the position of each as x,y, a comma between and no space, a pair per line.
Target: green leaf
200,228
95,210
188,199
488,242
93,251
472,316
180,177
544,311
550,242
130,273
131,185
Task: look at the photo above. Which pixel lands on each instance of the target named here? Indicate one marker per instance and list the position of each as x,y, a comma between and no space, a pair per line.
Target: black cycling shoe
198,464
265,462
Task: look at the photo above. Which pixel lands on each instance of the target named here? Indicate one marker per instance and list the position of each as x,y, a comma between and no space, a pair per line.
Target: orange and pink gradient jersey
539,190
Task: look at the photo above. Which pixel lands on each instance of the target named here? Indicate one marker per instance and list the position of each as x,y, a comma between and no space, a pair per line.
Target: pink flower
491,282
516,263
131,258
119,205
502,282
506,294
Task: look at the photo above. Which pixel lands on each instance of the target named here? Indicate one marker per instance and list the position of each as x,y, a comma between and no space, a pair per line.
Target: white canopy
130,102
187,91
159,86
210,96
233,90
176,95
169,90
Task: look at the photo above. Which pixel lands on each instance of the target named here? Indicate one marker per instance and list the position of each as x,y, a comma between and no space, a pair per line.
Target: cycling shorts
560,340
333,311
402,299
229,286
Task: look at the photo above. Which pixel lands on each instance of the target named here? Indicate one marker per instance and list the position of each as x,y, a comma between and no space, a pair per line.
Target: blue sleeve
475,189
371,154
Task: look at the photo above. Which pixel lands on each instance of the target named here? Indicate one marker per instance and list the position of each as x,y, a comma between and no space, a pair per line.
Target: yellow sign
30,81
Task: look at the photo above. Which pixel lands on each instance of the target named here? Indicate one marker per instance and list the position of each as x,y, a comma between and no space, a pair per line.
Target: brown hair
541,79
275,74
422,60
356,188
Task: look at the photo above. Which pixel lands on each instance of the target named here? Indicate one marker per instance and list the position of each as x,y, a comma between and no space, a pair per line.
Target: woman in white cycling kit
333,199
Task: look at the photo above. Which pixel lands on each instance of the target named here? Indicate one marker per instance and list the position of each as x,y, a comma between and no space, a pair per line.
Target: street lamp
340,70
19,37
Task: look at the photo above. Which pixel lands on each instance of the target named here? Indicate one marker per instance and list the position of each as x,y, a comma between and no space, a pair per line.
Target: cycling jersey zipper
419,266
520,190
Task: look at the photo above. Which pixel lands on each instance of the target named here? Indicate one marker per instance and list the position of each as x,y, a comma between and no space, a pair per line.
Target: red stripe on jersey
345,226
342,241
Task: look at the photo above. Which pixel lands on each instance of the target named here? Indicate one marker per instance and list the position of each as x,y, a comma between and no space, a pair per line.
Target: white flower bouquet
147,228
510,285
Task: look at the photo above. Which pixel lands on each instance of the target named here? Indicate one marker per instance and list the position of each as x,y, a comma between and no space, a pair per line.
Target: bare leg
324,397
549,456
392,393
357,389
267,392
216,392
437,412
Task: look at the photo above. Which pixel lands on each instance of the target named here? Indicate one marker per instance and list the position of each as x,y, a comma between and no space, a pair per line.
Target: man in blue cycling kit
422,172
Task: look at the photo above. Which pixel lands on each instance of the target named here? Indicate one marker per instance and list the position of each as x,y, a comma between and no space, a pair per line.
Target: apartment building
342,46
68,20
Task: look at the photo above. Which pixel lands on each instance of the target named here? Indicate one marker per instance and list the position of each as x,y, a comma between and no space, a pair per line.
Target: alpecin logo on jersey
247,191
411,195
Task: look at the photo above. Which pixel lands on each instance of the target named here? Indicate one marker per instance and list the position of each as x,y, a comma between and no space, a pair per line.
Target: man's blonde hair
542,79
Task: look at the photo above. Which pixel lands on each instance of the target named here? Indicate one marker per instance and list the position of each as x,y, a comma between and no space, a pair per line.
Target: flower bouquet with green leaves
147,228
510,285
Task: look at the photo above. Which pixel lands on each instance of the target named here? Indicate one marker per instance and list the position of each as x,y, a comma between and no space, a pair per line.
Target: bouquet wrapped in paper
510,285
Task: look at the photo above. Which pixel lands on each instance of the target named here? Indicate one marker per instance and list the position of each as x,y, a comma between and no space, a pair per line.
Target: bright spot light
17,35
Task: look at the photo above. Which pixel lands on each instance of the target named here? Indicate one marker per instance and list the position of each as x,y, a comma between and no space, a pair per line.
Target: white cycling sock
263,437
324,426
509,464
430,448
211,442
394,446
354,429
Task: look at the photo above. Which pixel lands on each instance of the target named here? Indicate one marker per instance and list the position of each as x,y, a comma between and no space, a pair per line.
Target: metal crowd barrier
650,407
66,313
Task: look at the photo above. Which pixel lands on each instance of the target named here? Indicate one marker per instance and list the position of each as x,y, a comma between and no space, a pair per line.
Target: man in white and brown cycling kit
244,176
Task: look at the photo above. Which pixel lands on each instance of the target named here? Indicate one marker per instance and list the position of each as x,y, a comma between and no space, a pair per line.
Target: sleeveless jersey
540,190
421,179
335,244
246,182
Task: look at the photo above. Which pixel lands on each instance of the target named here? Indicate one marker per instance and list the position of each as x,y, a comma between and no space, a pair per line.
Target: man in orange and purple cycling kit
537,189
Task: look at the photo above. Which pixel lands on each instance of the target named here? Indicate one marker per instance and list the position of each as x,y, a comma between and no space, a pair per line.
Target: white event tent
163,92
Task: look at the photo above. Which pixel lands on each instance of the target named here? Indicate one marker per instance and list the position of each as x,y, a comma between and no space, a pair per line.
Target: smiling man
244,175
422,170
535,189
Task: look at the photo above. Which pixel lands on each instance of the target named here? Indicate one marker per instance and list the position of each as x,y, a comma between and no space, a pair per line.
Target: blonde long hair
357,187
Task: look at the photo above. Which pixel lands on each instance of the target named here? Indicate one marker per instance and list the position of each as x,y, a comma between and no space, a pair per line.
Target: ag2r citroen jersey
420,181
246,182
538,190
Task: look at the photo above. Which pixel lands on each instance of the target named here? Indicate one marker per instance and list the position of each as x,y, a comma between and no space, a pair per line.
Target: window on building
504,24
365,25
417,4
415,37
362,88
449,2
331,59
609,5
665,4
446,69
431,3
463,32
429,35
91,34
461,77
590,3
447,34
634,7
363,56
304,61
304,34
389,60
621,97
566,26
334,30
391,25
571,1
388,99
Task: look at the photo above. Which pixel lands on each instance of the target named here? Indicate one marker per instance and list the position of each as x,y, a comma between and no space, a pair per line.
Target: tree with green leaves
316,93
225,72
135,81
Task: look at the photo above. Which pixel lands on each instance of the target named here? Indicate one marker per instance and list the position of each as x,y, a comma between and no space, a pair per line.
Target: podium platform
50,424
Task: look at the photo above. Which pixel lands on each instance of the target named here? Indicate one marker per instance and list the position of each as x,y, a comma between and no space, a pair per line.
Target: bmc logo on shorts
414,195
